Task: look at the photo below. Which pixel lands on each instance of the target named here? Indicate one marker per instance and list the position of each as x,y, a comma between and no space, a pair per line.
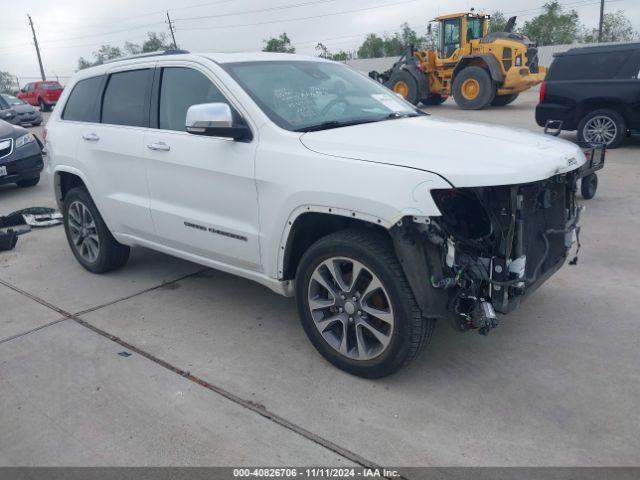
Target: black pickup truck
596,91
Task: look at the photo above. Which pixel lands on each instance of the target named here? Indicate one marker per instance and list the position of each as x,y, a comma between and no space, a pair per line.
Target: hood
466,154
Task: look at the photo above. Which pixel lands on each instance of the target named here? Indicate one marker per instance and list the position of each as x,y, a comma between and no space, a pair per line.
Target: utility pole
35,41
172,29
601,21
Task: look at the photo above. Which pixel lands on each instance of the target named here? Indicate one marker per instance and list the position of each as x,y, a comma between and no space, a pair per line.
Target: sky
68,29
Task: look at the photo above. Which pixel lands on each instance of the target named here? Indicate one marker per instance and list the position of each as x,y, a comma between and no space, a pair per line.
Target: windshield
299,95
51,86
11,100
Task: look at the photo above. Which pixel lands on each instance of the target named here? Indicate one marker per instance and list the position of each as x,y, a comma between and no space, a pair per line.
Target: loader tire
403,83
473,88
504,100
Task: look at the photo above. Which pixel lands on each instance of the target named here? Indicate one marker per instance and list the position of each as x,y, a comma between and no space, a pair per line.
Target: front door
203,195
449,39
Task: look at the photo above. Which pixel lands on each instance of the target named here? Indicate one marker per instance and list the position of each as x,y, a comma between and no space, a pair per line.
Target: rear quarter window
81,105
592,66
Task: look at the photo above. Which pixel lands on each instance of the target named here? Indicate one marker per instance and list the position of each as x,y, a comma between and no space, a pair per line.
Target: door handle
91,137
159,146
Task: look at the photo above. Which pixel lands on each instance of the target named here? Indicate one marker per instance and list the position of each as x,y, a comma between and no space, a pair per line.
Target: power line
261,10
301,18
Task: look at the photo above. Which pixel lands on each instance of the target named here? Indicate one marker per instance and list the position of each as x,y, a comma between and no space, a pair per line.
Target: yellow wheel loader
474,66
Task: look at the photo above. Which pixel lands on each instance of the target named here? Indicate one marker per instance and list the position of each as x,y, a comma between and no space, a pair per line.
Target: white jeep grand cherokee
313,180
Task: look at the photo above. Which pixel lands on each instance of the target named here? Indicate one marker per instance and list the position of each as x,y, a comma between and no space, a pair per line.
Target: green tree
342,56
393,46
7,83
132,48
372,47
408,36
498,22
616,27
156,42
554,26
104,54
281,44
323,51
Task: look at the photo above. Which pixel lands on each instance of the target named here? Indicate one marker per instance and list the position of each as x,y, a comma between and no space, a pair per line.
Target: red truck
42,94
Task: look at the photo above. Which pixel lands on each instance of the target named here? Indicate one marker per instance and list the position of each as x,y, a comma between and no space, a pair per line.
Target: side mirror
216,120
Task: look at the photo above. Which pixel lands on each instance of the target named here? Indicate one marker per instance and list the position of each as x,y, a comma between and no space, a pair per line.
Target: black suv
596,91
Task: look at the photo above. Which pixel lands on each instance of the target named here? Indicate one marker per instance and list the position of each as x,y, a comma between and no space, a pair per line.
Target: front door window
450,37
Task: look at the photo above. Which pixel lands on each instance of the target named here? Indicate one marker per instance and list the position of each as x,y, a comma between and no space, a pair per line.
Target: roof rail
148,54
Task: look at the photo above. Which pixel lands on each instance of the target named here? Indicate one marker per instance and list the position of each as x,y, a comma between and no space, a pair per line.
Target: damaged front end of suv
490,248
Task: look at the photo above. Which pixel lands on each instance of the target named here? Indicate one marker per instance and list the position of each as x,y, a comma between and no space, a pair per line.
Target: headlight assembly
25,140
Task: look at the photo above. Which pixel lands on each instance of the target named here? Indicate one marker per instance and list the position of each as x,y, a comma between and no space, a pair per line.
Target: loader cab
456,31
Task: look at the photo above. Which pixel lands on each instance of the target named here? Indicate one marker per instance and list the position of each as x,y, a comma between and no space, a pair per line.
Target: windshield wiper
335,124
394,115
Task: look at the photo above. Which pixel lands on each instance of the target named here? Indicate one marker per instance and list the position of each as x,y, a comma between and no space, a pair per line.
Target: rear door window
181,88
592,66
126,98
81,106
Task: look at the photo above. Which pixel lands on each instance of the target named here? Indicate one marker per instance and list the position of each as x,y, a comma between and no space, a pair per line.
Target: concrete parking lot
167,363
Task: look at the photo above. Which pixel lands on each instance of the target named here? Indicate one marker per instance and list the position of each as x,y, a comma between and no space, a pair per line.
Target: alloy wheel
351,308
83,231
600,130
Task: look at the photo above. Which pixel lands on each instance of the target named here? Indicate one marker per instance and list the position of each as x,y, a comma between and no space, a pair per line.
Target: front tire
403,83
473,88
356,306
602,127
89,238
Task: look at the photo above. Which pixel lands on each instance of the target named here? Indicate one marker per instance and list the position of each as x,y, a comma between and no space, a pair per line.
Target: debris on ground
21,221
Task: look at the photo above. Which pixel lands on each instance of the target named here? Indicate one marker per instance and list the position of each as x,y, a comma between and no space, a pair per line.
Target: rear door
203,195
113,150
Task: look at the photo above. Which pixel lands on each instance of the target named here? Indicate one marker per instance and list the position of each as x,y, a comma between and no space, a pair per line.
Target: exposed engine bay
491,247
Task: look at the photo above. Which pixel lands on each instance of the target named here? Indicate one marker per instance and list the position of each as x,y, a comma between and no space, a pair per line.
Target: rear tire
89,238
402,82
602,126
404,332
30,182
473,88
43,106
504,100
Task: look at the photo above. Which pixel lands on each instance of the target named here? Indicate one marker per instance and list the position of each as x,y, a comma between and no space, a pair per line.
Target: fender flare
492,64
284,249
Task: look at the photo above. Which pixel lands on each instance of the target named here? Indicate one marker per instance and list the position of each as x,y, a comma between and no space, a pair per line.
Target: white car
315,181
